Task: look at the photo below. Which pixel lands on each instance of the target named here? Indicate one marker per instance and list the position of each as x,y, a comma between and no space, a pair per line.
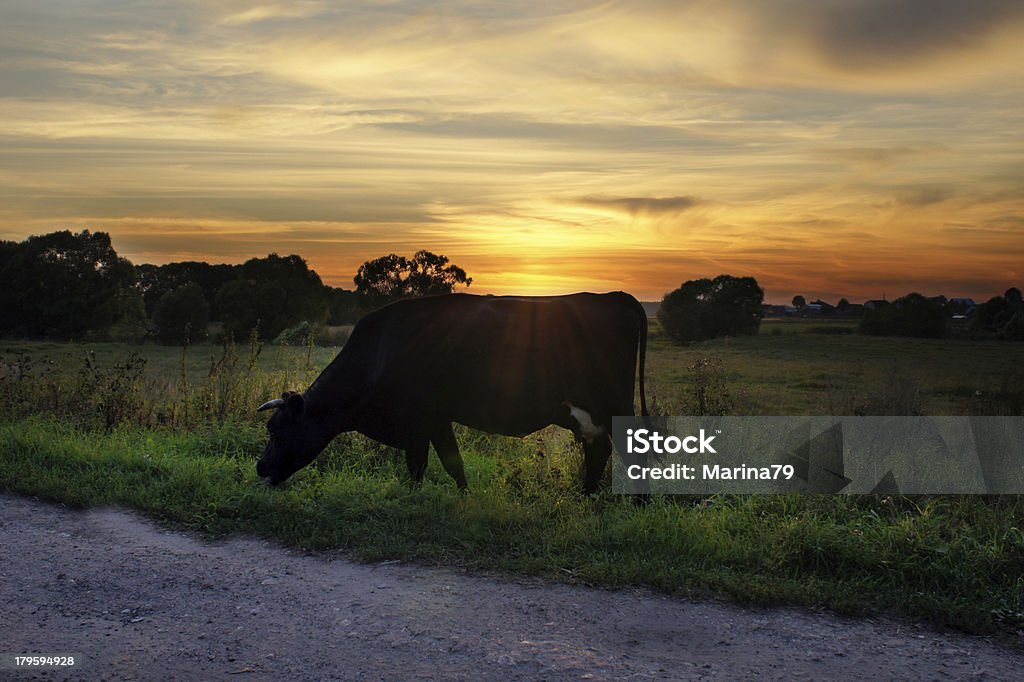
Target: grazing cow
503,364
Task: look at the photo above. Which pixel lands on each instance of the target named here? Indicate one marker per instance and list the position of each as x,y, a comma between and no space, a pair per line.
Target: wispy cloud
271,11
634,206
794,140
879,157
926,195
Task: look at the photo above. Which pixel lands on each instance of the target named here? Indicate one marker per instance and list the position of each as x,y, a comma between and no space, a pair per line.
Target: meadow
171,432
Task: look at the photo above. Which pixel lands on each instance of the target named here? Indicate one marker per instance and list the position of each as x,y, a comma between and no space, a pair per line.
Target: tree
63,284
704,309
182,315
1002,315
157,280
343,306
239,305
799,301
271,295
911,315
393,277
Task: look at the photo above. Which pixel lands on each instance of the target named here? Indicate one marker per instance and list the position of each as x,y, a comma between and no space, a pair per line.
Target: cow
507,365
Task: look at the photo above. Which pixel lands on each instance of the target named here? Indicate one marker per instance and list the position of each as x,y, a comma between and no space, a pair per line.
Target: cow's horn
271,404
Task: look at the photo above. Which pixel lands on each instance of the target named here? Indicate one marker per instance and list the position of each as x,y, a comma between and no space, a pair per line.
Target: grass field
176,438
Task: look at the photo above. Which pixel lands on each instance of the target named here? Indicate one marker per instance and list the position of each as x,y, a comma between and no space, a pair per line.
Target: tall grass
204,387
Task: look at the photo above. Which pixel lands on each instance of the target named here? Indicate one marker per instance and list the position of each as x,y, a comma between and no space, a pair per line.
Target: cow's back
502,364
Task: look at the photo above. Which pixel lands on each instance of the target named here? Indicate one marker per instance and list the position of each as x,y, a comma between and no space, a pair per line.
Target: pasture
172,432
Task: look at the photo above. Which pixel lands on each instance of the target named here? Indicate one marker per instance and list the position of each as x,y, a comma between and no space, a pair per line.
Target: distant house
770,310
806,310
825,308
876,303
850,310
810,310
962,307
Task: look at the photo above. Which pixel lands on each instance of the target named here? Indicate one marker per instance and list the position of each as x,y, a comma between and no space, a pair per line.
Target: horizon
829,149
463,289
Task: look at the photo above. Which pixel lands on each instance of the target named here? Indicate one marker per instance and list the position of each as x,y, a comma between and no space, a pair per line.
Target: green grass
956,561
798,371
165,363
177,439
803,372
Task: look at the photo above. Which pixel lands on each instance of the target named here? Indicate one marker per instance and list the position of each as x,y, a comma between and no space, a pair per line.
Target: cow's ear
295,404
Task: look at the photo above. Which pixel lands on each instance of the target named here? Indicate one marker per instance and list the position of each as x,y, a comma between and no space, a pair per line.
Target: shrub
1001,315
299,335
911,315
704,309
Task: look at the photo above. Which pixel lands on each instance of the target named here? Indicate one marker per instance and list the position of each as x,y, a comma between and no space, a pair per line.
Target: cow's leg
448,450
416,460
593,436
595,457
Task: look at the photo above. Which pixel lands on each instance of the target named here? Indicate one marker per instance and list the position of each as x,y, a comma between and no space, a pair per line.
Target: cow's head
295,438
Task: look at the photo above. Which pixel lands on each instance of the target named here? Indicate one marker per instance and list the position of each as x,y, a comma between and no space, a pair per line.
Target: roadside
141,602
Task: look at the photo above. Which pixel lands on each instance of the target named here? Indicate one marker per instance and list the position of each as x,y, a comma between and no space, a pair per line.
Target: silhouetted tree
343,306
271,295
182,315
63,284
799,301
704,308
157,280
911,315
1002,316
392,277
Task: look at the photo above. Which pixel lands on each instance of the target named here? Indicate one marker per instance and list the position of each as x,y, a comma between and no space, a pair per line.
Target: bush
1002,316
299,335
704,309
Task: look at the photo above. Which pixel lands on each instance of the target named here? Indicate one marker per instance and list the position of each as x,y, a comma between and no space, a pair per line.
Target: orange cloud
545,148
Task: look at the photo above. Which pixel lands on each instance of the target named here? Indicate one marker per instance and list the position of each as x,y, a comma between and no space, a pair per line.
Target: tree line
917,315
729,306
66,285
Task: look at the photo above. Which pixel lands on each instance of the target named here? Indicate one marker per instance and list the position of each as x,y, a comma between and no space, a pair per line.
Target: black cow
502,364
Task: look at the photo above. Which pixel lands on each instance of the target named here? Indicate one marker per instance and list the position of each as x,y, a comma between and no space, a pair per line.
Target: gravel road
143,603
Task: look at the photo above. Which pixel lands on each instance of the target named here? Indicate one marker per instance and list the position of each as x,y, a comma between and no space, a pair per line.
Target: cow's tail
643,359
642,489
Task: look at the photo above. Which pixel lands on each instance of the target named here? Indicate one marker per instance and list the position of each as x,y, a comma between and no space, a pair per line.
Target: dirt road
141,602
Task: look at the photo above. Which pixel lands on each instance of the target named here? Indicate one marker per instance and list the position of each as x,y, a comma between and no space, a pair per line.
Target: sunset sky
827,147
